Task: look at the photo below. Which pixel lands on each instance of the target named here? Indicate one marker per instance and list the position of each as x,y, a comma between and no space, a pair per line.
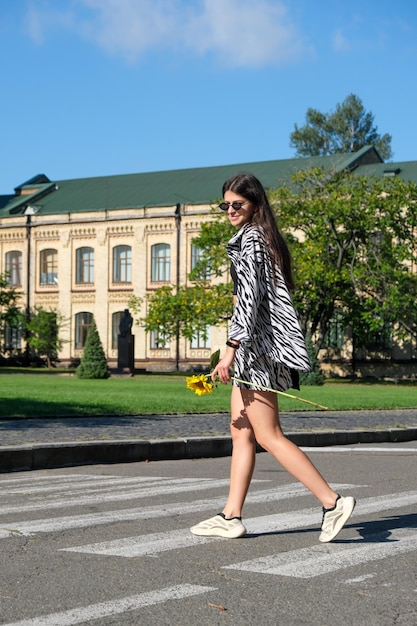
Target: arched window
82,326
122,264
196,256
49,267
84,266
158,341
13,336
161,263
335,334
201,339
115,326
14,268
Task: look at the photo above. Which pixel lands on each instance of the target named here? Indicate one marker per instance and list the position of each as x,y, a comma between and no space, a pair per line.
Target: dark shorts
261,371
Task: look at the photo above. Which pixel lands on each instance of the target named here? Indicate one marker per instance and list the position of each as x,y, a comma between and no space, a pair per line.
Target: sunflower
201,384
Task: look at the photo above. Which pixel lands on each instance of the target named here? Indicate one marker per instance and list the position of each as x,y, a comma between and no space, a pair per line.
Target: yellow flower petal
201,384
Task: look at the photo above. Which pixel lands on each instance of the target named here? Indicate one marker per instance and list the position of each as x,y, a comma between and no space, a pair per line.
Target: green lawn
43,395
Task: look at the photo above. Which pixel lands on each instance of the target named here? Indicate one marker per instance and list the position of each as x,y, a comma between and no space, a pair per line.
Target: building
83,247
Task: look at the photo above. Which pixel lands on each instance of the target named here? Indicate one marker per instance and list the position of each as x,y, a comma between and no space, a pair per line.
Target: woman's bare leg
262,413
243,456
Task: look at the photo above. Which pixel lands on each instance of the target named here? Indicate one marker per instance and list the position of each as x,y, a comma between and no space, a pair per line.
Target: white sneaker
219,526
335,518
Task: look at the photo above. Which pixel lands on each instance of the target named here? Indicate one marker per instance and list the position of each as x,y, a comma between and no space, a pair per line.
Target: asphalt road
110,545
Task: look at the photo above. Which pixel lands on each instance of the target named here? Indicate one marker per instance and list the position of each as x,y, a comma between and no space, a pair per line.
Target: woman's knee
271,441
242,435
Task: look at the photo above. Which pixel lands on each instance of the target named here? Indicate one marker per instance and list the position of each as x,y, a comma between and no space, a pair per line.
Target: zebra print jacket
264,320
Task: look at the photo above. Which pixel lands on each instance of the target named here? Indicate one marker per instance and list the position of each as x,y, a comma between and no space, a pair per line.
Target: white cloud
239,33
131,27
42,18
244,32
340,42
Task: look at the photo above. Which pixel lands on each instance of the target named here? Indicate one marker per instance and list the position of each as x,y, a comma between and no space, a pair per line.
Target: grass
45,395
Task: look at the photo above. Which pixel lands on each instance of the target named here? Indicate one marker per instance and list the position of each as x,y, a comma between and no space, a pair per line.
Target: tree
352,239
189,310
43,334
353,253
348,129
211,241
93,363
315,376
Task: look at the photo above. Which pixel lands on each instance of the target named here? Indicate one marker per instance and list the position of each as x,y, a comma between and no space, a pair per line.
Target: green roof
193,186
406,170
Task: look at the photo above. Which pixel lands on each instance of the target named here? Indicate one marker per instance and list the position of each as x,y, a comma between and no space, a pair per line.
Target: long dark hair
248,186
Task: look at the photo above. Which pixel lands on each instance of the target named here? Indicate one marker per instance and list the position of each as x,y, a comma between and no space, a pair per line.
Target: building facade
84,247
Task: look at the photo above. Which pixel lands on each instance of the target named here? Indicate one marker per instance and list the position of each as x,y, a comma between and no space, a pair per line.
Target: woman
267,349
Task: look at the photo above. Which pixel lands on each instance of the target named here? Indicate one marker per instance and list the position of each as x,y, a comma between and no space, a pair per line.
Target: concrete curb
69,454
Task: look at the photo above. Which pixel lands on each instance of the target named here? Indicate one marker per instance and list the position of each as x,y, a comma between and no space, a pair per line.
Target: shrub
315,376
93,363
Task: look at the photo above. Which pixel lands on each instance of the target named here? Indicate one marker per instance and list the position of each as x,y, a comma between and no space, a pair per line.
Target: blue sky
104,87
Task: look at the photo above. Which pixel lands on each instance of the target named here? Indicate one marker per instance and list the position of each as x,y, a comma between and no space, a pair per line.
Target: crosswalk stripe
27,528
115,607
145,545
307,517
151,544
361,449
87,485
145,485
118,495
323,559
29,479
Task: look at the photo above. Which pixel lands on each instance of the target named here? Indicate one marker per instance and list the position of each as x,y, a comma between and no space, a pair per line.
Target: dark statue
125,326
126,344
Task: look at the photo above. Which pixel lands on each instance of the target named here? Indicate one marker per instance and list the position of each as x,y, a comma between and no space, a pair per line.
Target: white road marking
323,559
151,544
358,579
118,495
360,448
85,614
86,484
144,545
56,524
30,478
306,563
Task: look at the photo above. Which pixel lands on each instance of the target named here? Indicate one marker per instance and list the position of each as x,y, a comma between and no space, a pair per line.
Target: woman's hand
223,366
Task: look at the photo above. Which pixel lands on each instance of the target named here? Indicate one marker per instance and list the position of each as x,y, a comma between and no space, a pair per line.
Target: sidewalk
28,444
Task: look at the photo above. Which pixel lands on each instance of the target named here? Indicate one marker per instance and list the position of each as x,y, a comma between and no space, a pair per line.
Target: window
196,257
380,339
13,336
115,325
334,337
158,341
49,267
82,326
84,272
122,264
201,339
160,263
14,268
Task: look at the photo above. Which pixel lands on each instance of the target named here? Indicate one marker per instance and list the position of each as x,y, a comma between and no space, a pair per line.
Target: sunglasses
236,206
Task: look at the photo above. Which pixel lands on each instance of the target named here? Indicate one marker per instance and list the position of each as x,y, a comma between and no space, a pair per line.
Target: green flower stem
288,395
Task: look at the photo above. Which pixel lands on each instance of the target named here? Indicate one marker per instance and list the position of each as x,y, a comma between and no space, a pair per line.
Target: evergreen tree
315,376
348,129
93,363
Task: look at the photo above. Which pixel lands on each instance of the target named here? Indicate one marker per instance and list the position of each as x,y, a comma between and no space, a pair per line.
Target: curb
70,454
